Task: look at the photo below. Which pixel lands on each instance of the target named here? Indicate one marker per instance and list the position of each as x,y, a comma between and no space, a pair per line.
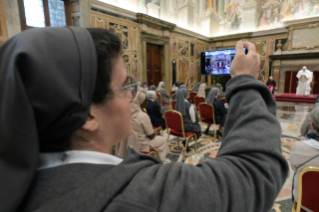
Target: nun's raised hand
245,64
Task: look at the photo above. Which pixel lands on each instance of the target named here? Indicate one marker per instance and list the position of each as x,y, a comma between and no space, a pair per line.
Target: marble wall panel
135,35
136,66
183,48
122,32
99,23
130,36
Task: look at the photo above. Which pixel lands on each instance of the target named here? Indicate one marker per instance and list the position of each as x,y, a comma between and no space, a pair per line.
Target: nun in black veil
65,101
55,84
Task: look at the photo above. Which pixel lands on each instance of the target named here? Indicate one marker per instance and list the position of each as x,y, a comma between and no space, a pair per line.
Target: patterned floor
290,116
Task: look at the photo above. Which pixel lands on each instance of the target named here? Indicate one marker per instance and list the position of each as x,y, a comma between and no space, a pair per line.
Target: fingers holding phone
245,64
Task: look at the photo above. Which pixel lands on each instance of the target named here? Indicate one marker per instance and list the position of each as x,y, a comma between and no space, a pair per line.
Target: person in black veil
188,112
65,101
220,111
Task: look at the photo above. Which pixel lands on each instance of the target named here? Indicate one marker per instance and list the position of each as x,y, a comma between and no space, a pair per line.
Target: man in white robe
304,77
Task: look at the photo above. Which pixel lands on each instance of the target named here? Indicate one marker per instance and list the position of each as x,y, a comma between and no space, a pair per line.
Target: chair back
172,92
218,96
224,100
192,95
198,100
206,111
174,120
173,104
308,188
159,97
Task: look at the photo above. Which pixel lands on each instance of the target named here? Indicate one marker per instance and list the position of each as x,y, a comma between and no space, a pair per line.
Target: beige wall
187,61
265,46
3,24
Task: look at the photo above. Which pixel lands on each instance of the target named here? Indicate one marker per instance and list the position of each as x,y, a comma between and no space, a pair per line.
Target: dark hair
176,83
108,48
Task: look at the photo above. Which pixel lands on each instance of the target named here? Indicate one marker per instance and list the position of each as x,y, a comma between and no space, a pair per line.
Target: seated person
121,148
220,90
306,127
163,108
202,90
164,94
188,112
55,140
142,126
306,152
181,86
219,110
153,110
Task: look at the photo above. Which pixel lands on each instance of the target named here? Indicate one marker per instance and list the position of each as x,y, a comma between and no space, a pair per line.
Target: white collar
312,142
49,160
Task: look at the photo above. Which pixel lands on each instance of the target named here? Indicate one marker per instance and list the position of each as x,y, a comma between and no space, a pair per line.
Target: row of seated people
161,89
220,110
143,137
198,90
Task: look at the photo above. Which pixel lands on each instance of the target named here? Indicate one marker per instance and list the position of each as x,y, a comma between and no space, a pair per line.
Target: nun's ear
91,123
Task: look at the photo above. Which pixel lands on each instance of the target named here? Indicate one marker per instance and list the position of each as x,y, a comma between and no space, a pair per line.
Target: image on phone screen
217,62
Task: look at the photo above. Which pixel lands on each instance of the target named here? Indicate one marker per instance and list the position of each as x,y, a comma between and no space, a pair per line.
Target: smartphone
217,62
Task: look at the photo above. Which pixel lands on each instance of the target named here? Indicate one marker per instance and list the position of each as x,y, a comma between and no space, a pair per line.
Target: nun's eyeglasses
130,84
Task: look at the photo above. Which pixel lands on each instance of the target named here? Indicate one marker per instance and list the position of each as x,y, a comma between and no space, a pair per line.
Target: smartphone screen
217,62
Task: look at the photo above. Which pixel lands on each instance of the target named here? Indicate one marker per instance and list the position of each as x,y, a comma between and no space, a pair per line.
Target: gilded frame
183,131
300,175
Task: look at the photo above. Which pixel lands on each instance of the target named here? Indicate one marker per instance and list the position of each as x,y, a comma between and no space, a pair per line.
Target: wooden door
291,82
154,64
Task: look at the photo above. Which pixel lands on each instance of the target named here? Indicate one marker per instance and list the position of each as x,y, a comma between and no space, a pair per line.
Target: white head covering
150,94
160,86
201,90
136,104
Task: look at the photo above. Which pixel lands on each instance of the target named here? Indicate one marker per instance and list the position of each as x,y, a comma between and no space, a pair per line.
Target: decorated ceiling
223,17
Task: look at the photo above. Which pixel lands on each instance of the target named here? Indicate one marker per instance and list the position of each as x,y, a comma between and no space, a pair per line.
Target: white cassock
303,87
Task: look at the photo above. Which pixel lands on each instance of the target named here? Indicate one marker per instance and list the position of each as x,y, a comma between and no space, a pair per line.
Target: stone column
249,15
221,8
186,14
210,24
141,7
276,73
85,13
163,9
13,17
153,10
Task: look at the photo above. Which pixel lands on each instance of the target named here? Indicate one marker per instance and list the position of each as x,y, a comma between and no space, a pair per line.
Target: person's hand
245,64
